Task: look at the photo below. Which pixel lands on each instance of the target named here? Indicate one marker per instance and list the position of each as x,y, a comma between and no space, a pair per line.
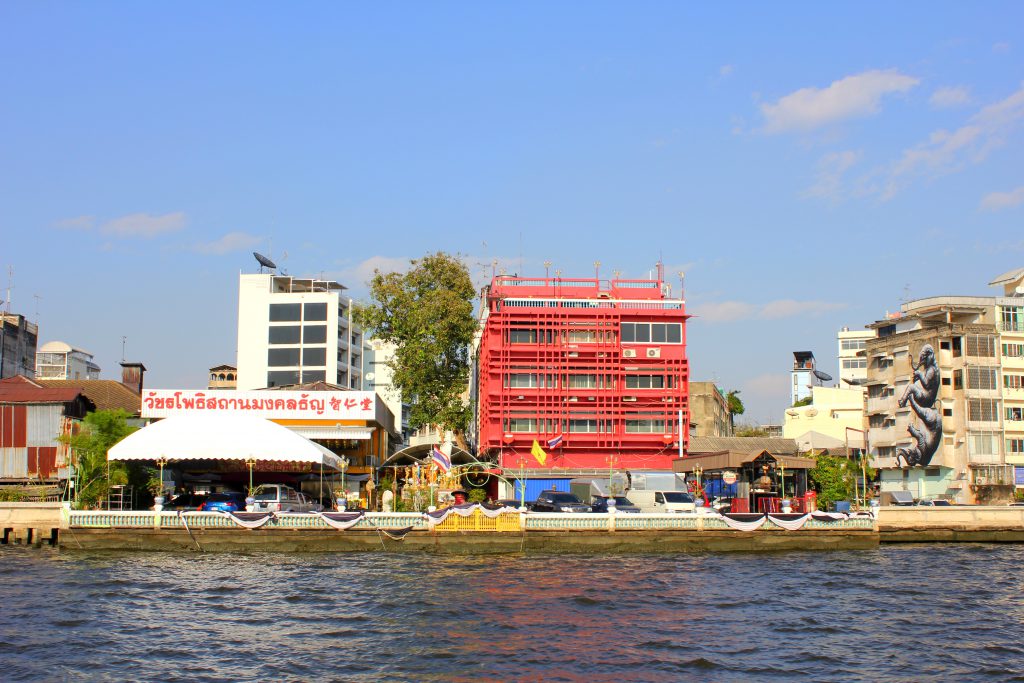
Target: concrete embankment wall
281,540
956,524
30,522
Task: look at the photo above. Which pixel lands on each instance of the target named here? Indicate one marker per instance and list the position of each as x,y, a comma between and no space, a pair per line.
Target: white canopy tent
221,437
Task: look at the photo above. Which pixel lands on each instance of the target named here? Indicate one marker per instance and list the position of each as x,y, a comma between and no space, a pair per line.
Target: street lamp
251,463
344,491
863,462
158,502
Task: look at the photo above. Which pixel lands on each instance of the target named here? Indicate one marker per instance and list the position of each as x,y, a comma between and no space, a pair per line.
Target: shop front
749,482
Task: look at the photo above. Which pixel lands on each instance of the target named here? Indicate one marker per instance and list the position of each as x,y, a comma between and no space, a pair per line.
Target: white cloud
731,311
947,151
76,223
831,169
726,70
952,96
233,241
1003,200
357,276
144,225
855,96
790,308
1001,48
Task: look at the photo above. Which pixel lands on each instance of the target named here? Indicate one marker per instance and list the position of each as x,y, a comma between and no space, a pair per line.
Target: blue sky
808,165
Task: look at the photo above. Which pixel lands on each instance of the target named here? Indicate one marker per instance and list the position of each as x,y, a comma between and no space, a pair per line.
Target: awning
731,460
221,437
332,432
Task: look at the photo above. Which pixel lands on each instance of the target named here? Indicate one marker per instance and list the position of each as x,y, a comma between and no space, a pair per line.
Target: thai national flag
442,460
552,443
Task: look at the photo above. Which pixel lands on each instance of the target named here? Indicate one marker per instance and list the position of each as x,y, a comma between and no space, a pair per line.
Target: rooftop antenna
124,341
906,292
37,298
10,286
264,262
597,270
682,284
284,257
547,269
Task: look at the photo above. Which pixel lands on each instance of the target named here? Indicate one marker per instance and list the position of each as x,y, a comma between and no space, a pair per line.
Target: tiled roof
23,390
747,444
107,394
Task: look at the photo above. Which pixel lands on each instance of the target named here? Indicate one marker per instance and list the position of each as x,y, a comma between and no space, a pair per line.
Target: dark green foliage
99,432
427,313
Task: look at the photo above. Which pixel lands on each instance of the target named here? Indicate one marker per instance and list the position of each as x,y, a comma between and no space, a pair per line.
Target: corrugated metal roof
107,394
23,390
746,444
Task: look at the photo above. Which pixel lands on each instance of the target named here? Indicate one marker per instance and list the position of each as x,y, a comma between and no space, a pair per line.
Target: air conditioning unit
654,353
629,353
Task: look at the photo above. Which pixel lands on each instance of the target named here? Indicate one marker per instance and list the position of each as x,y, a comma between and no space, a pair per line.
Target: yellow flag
538,453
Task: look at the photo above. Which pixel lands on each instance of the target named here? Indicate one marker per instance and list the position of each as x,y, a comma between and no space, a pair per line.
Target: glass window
312,312
658,334
582,381
314,356
521,381
314,334
628,332
277,358
284,334
281,378
582,426
643,333
645,426
981,378
280,313
522,424
675,333
522,336
314,375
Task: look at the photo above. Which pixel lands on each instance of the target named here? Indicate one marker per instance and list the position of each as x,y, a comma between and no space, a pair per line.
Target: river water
899,613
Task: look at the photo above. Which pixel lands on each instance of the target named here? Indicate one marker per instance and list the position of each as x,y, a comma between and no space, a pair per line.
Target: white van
280,498
662,501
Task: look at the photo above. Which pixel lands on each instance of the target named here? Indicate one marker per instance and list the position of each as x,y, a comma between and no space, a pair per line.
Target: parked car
229,501
936,502
558,501
622,504
281,498
185,501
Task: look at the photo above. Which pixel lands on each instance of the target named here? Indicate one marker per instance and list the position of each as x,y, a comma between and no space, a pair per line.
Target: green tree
427,313
736,406
750,430
93,474
806,401
834,478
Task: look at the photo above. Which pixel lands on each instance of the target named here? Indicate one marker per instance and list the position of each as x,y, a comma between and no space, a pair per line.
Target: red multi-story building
601,364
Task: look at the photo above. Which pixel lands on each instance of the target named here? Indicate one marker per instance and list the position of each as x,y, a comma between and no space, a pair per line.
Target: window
1013,381
947,412
1014,446
280,313
582,426
645,382
855,363
645,426
521,381
282,357
582,381
957,343
982,444
1011,318
982,378
314,334
522,336
958,379
313,312
946,381
1015,414
1013,350
852,344
658,333
582,336
983,410
981,346
280,378
522,424
876,421
314,375
314,356
284,334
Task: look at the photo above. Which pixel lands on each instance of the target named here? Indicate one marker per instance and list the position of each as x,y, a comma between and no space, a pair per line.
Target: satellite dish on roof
264,261
823,376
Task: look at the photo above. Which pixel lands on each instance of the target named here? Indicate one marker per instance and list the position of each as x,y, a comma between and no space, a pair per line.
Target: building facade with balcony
804,378
853,362
972,461
58,360
296,331
594,372
709,410
1010,322
18,339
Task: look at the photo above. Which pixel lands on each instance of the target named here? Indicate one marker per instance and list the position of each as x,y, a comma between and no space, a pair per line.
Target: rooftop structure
59,360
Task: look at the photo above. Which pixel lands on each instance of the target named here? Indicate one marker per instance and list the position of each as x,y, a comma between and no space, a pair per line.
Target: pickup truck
558,501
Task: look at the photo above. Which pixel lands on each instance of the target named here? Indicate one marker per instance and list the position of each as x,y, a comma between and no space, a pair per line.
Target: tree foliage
736,406
99,432
750,430
834,478
805,401
427,313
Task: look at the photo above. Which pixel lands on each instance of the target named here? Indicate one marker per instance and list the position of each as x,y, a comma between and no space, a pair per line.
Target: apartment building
852,362
58,360
970,448
709,410
804,378
295,330
595,372
18,339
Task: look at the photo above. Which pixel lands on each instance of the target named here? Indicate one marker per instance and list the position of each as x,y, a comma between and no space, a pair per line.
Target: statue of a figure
921,395
387,500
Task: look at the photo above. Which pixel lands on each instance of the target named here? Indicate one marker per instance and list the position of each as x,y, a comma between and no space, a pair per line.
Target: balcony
883,404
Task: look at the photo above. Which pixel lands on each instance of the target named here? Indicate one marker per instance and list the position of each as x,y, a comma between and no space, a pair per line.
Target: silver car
281,498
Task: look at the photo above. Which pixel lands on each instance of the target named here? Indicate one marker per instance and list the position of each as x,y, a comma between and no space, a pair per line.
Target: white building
804,378
295,330
853,362
58,360
378,378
